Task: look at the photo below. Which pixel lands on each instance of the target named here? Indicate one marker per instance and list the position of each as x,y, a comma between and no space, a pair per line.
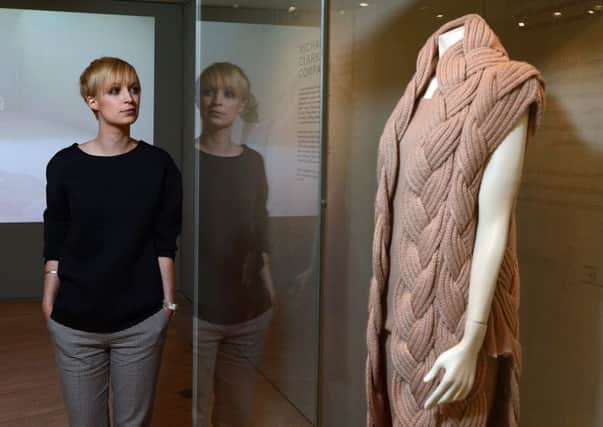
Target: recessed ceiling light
590,12
236,5
291,9
439,16
363,4
521,24
557,14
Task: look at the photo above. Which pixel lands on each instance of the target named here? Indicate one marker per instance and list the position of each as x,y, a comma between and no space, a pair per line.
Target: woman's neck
111,141
219,143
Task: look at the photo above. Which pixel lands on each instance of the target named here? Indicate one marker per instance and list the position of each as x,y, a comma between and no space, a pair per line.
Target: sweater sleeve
168,220
261,210
56,215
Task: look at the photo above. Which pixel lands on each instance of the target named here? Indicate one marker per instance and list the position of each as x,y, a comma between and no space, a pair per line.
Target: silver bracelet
168,305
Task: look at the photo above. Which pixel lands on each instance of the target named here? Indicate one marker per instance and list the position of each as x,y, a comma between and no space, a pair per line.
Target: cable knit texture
481,95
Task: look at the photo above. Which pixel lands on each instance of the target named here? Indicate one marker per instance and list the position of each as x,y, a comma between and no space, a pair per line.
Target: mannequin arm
497,193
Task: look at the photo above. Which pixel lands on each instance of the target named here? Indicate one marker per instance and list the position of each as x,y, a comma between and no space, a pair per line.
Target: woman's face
117,104
220,106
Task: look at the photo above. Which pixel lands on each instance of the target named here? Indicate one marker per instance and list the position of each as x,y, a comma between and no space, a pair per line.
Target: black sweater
233,234
107,221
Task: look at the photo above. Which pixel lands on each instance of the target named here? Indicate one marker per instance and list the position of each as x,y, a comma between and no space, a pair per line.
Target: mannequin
500,183
497,194
454,223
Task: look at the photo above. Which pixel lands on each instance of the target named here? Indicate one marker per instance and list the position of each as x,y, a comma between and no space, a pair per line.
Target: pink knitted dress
481,95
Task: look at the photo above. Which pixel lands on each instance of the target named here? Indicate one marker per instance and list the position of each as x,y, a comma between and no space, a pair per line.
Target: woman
236,294
113,214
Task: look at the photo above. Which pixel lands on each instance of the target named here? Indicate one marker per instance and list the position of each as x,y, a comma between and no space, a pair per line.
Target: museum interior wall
559,211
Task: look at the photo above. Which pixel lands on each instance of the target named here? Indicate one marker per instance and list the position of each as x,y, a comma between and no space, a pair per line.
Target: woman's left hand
273,299
169,313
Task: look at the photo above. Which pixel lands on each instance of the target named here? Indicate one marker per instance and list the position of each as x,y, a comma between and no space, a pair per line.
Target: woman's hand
169,313
273,298
167,269
46,309
266,274
51,287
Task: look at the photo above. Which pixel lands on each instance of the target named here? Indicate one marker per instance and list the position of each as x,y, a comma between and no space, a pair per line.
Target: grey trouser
228,357
129,360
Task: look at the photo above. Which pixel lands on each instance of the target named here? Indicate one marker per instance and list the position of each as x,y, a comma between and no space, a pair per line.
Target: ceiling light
557,14
599,7
291,9
521,24
341,11
439,16
590,12
236,5
363,4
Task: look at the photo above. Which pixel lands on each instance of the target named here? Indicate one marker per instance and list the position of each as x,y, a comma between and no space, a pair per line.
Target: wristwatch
168,305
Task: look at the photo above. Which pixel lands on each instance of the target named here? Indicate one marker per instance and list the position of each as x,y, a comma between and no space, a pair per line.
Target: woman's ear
243,106
92,103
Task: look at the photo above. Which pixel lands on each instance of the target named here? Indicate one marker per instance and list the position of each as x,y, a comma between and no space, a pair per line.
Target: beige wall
560,213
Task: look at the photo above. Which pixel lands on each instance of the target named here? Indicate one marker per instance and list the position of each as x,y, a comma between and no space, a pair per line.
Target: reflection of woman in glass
235,284
113,214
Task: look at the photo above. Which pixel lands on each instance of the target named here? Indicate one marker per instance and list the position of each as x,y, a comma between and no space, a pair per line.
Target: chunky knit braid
481,96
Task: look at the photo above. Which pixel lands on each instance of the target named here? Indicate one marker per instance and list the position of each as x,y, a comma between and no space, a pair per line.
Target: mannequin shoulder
511,75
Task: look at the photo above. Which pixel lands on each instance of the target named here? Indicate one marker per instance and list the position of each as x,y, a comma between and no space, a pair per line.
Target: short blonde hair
234,78
106,71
